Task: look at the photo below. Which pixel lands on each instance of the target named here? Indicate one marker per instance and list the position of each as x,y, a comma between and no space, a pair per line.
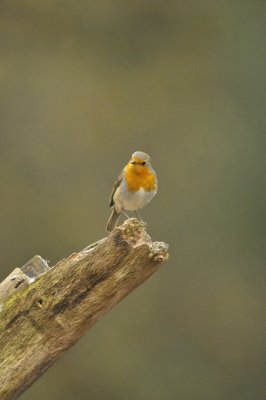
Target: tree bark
44,311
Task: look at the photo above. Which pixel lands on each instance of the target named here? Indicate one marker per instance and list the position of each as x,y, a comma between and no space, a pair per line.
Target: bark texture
44,311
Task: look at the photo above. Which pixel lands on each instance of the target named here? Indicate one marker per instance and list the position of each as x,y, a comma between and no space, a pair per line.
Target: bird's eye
143,163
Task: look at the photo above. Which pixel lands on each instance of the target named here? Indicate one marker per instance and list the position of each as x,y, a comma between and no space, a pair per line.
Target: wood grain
48,315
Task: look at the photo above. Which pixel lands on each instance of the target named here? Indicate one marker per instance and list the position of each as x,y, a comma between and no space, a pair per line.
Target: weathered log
53,307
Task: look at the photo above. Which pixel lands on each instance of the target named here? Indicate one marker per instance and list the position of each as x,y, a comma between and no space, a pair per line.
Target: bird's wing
116,185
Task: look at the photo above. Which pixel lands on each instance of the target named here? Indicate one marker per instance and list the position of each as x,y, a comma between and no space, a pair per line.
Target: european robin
134,188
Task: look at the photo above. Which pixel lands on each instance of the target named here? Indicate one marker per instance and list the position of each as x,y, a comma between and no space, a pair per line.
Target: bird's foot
141,220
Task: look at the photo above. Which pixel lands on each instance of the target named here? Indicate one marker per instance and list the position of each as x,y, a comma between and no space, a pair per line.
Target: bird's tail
111,224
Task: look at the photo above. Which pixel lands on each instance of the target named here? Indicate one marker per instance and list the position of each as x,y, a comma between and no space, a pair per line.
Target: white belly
131,201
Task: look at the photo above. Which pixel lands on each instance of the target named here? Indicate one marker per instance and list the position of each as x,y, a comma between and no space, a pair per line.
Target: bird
134,188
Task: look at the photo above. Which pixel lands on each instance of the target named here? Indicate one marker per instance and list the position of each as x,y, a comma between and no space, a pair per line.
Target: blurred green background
83,85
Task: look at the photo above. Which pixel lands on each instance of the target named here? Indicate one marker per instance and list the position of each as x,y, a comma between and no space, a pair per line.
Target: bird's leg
126,214
140,219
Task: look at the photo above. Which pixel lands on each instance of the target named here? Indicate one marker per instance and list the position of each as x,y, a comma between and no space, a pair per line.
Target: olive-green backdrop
83,84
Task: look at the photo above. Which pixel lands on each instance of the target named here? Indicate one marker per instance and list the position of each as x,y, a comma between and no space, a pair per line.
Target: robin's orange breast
140,177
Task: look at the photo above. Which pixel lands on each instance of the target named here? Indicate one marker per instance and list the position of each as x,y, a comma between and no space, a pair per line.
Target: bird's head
139,158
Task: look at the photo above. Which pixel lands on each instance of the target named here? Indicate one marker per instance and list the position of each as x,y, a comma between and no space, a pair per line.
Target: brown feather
116,185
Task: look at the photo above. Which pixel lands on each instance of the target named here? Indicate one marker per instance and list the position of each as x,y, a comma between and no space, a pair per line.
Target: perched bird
133,189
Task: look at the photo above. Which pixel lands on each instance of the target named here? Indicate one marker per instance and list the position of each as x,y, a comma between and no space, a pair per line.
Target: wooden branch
40,318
